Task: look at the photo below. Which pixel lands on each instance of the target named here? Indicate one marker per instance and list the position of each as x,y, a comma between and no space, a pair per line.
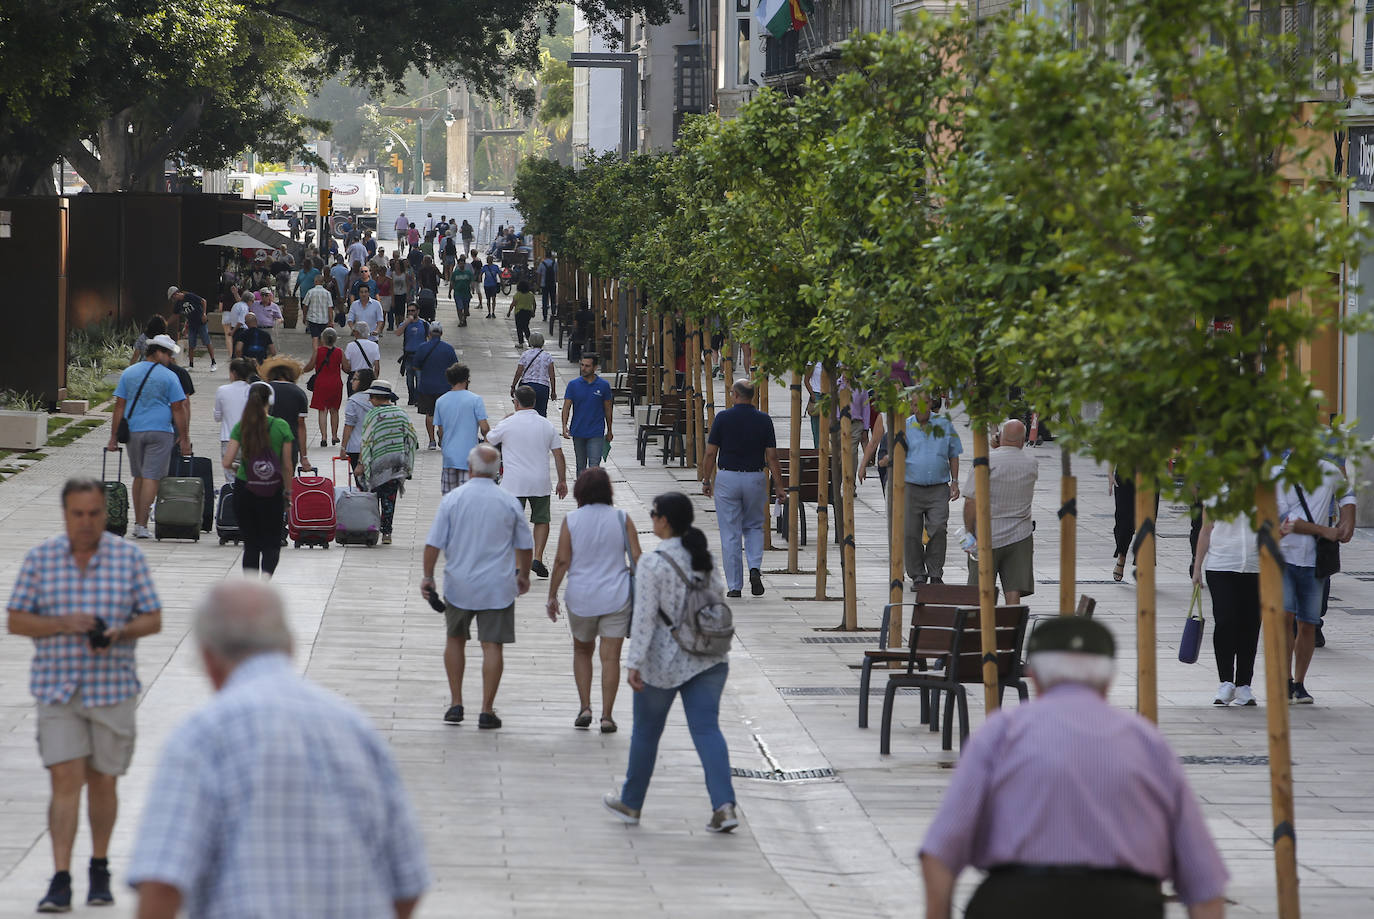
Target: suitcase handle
334,471
119,467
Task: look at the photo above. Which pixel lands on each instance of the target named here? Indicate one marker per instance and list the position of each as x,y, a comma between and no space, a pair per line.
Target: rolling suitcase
116,495
310,517
227,516
358,516
198,467
179,508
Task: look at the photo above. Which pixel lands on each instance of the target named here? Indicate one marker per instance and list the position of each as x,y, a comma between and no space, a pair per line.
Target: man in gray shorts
1012,472
487,549
84,676
151,399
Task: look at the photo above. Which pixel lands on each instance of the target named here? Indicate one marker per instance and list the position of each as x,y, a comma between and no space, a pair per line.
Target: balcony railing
832,22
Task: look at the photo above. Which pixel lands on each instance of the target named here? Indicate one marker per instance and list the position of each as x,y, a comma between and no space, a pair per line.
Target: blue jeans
741,512
588,451
701,705
412,378
1302,593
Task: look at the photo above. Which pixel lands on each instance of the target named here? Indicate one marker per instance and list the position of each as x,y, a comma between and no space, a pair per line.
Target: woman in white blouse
1227,547
660,669
593,545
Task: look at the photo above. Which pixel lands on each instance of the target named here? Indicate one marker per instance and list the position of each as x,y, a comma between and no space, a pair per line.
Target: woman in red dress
327,393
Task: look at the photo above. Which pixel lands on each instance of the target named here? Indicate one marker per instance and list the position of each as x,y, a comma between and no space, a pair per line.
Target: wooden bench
940,594
631,385
667,421
809,486
949,636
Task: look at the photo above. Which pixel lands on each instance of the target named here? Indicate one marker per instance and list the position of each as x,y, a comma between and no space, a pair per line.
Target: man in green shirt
460,288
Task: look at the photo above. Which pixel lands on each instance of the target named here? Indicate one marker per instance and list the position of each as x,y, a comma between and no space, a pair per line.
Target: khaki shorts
496,626
150,454
1015,565
105,734
539,508
611,625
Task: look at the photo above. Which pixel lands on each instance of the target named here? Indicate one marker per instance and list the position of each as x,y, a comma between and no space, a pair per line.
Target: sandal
608,726
584,718
1120,570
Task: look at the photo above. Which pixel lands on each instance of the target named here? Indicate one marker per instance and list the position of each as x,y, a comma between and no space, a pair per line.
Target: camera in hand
435,601
96,636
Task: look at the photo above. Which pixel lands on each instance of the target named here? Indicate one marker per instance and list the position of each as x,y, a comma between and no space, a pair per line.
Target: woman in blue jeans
660,669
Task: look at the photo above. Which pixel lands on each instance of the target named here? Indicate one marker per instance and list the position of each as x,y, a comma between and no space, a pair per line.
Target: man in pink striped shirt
1074,808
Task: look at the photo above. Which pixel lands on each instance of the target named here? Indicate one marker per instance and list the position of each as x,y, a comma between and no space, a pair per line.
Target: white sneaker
1244,696
1225,693
142,532
213,366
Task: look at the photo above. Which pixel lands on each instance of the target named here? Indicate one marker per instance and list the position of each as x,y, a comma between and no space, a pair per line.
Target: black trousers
260,527
1088,895
522,326
1124,527
1235,624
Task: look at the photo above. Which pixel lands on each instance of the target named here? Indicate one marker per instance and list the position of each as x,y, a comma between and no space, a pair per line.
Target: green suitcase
179,508
116,495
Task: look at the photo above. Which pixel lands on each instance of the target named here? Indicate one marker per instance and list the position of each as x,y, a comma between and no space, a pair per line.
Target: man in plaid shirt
84,598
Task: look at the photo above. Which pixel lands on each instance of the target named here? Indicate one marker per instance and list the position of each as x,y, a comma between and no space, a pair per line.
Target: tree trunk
896,490
1147,696
987,575
794,475
1068,535
823,485
851,587
1277,627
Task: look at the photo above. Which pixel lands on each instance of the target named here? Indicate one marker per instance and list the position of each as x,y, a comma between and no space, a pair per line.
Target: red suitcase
310,521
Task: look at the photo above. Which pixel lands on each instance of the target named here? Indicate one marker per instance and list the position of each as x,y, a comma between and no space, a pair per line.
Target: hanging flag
798,9
775,16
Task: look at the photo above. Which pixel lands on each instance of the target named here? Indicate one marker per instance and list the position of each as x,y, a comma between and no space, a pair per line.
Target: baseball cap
171,291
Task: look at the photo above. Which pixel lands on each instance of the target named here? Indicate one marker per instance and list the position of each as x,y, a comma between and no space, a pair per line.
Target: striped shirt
1069,780
279,799
1013,472
387,445
116,586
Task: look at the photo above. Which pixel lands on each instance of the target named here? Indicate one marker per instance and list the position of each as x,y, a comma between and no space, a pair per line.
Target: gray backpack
705,626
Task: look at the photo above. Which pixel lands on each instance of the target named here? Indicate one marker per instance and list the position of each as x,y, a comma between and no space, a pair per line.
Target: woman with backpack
677,591
260,448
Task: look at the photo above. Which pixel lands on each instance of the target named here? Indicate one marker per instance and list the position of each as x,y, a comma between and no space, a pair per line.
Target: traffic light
396,163
326,202
426,170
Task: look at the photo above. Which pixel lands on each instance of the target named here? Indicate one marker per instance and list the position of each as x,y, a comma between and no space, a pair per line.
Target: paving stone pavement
512,818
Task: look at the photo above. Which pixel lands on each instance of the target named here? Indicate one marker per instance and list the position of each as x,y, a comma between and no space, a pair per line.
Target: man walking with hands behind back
481,530
526,441
742,442
1011,474
84,598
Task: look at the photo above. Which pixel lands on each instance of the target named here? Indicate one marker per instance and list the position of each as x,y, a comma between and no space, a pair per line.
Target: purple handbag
1191,643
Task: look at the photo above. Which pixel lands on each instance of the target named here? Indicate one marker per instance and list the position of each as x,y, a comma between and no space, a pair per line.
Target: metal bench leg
865,675
885,741
963,717
934,710
947,738
1022,691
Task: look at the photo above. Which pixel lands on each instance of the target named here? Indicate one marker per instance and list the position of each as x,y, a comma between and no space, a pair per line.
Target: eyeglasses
654,513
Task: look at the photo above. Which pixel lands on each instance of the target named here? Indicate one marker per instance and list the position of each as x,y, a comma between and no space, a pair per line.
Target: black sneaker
1320,640
539,568
453,715
99,893
755,582
488,720
1300,695
734,593
59,896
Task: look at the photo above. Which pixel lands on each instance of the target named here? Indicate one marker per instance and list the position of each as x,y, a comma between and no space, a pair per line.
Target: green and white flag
775,16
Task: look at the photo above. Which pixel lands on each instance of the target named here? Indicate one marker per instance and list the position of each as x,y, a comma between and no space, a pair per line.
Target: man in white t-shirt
229,402
235,319
362,353
357,252
369,311
526,440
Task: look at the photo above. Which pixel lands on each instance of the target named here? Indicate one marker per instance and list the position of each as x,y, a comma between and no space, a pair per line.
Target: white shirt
371,313
527,439
599,574
370,351
229,402
1301,549
319,304
357,253
1232,546
238,316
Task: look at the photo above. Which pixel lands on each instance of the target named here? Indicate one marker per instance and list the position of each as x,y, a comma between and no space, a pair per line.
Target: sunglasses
654,513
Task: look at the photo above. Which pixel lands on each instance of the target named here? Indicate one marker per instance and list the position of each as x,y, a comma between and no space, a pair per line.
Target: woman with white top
660,668
592,549
535,369
1226,549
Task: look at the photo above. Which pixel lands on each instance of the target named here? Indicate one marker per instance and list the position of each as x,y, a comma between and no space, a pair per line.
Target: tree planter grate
837,640
1224,760
780,775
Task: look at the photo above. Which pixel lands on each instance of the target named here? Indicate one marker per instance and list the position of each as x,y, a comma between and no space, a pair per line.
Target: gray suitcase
358,517
179,508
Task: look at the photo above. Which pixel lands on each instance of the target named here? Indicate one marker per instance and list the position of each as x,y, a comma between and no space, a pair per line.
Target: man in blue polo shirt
588,400
742,443
932,482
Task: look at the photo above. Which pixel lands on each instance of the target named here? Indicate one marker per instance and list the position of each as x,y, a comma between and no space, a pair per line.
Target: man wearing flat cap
1073,808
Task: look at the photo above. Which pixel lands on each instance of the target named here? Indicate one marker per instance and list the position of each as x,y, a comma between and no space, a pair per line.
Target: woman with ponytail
262,484
660,668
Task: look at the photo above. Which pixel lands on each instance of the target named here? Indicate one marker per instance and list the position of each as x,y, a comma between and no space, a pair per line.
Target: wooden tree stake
794,476
896,489
823,488
1147,694
987,575
851,587
1068,535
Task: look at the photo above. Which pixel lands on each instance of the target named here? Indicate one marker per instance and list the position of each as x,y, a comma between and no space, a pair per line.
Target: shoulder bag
123,434
1328,550
1191,643
310,383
